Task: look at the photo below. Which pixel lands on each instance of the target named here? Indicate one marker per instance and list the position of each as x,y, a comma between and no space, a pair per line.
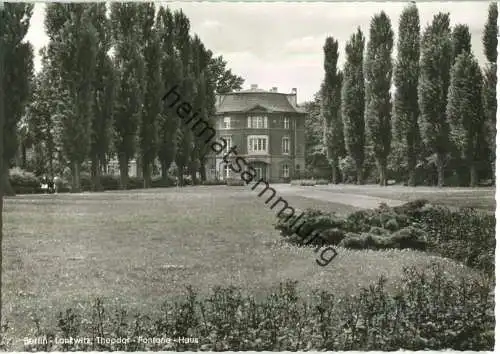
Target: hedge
465,235
431,310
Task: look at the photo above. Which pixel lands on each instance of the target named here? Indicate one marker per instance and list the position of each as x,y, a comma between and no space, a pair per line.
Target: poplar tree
103,95
378,79
465,110
435,64
73,49
148,139
353,97
129,63
331,107
18,76
170,67
185,141
490,41
406,74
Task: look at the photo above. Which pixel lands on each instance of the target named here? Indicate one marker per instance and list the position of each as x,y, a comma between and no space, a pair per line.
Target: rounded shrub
392,224
409,237
24,182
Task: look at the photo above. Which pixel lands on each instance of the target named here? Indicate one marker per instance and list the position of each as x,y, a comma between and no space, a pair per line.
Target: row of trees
443,109
99,93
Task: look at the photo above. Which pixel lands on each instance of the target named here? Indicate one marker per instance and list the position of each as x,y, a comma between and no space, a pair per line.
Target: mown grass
141,248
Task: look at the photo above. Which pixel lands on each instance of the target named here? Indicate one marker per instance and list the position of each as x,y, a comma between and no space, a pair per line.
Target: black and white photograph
247,176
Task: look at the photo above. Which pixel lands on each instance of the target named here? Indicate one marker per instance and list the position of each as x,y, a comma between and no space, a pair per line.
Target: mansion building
267,128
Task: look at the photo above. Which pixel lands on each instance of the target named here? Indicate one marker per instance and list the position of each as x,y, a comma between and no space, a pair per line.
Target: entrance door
259,173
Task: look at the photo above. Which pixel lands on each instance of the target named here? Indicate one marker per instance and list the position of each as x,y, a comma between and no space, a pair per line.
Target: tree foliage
170,67
152,93
435,64
103,94
331,107
129,63
353,96
378,79
406,75
18,76
461,41
490,41
465,110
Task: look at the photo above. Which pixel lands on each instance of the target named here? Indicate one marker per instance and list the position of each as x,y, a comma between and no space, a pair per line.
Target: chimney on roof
293,96
274,89
254,87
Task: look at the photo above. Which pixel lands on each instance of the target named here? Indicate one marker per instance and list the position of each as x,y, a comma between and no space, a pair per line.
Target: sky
281,44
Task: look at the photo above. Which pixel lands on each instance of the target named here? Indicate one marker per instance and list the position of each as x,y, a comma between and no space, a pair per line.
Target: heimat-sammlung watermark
238,164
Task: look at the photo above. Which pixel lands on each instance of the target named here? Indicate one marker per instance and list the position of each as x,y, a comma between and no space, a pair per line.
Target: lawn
139,248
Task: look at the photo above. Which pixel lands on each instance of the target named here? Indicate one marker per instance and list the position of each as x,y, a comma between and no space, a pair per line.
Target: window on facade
229,143
286,123
285,145
257,122
227,170
226,123
285,171
257,144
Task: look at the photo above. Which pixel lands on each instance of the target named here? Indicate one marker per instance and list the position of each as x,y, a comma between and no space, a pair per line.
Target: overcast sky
281,44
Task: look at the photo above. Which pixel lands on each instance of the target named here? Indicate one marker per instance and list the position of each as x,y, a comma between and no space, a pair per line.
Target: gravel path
318,193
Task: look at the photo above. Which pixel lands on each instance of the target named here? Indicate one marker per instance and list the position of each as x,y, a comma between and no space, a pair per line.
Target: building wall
275,131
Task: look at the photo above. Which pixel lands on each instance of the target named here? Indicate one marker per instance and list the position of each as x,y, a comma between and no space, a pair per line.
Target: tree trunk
194,178
146,173
440,169
51,164
202,171
335,175
180,176
412,166
96,174
75,177
359,175
473,174
123,162
382,171
23,156
164,171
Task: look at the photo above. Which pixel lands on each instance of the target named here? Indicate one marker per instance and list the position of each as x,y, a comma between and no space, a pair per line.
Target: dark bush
375,230
24,182
213,183
429,311
235,182
86,183
159,182
409,237
311,221
333,236
465,235
135,182
110,182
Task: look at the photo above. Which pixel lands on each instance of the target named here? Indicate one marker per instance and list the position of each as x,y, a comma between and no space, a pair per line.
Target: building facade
266,127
